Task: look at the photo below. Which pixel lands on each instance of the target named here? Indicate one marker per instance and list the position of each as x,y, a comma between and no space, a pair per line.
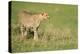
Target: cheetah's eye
46,15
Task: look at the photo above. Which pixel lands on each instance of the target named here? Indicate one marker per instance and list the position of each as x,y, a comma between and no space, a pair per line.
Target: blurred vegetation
59,32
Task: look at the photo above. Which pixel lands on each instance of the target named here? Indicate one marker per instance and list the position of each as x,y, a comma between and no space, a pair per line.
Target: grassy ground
57,33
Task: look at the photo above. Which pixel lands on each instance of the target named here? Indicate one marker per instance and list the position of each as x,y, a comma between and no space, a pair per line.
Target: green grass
59,32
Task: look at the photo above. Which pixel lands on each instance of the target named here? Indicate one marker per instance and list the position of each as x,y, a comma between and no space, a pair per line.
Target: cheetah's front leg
35,35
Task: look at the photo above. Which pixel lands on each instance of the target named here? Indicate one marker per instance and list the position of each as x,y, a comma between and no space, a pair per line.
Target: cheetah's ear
42,13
